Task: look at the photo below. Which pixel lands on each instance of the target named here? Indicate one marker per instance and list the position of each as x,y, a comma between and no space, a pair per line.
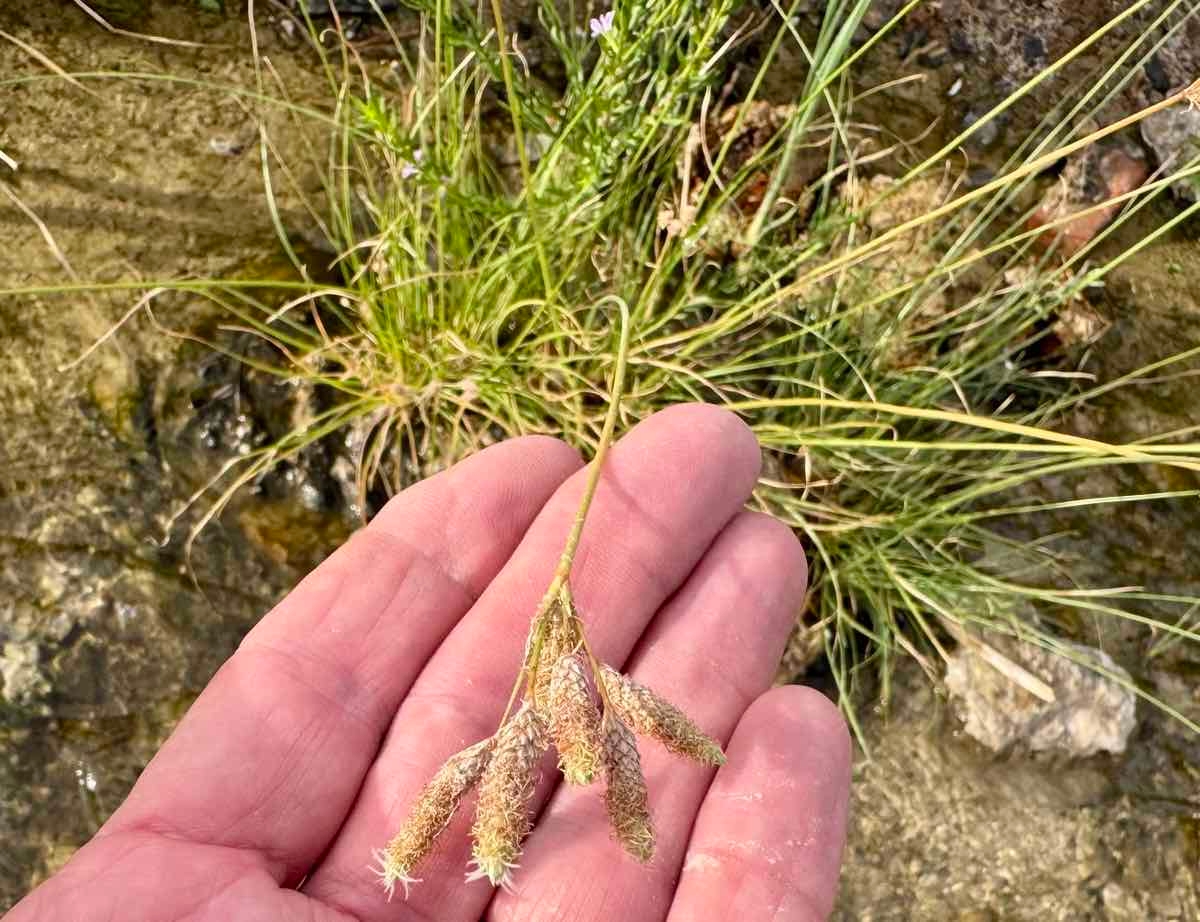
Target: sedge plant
887,334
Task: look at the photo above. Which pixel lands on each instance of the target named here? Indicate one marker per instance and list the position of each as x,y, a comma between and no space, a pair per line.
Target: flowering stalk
593,733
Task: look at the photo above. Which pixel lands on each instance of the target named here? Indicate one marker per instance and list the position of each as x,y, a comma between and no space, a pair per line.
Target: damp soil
110,623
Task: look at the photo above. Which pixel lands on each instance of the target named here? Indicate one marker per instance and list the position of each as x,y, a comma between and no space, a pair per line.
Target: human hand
305,752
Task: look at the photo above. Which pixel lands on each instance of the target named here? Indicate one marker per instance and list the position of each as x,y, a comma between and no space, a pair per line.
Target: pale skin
306,750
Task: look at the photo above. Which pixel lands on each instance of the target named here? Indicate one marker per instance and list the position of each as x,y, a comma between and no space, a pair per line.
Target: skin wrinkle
790,897
593,562
82,882
155,823
463,698
405,564
459,581
161,827
337,685
145,838
776,550
385,705
440,712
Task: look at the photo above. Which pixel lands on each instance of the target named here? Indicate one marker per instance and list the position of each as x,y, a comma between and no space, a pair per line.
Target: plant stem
589,491
558,591
514,109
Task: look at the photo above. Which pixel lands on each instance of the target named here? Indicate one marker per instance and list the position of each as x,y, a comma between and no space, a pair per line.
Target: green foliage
886,341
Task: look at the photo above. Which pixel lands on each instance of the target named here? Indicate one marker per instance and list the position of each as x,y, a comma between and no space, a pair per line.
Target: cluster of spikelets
590,713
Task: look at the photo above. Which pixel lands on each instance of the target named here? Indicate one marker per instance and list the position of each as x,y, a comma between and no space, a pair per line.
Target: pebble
1091,712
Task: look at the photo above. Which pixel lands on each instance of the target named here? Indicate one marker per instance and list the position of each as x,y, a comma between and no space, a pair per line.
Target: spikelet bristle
574,720
625,795
502,817
562,638
434,808
652,715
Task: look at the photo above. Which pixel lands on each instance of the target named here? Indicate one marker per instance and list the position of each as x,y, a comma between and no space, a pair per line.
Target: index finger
272,754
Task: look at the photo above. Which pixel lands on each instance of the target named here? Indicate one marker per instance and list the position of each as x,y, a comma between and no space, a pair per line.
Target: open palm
306,750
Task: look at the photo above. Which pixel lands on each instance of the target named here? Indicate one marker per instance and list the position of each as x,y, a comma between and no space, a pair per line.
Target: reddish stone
1087,181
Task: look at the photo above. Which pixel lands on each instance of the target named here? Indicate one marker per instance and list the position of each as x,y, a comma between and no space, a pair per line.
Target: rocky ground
107,627
106,635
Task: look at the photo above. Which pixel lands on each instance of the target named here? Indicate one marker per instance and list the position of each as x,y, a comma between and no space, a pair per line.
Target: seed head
625,796
562,638
432,812
502,819
652,715
574,721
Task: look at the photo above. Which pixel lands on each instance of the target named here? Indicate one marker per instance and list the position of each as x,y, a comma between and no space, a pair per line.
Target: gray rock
1091,713
1174,136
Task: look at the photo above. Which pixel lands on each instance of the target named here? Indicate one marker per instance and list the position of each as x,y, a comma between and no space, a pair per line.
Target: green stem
589,491
558,590
514,110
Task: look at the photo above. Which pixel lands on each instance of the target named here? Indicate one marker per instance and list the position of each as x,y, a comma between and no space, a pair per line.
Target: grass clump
887,338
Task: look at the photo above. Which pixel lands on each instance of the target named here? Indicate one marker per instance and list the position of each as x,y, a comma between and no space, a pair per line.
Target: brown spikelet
574,720
562,638
434,807
502,819
626,796
652,715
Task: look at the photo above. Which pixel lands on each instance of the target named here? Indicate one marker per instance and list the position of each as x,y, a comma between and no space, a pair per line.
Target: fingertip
703,427
768,841
514,476
795,714
544,450
775,549
779,808
542,459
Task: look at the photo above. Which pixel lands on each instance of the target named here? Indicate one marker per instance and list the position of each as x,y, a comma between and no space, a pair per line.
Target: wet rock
211,408
1092,713
122,12
1156,73
986,134
346,7
23,682
1120,905
226,146
1033,50
1174,136
880,14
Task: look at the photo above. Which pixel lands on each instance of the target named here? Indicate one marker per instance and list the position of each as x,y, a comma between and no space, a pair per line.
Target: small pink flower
602,24
410,170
